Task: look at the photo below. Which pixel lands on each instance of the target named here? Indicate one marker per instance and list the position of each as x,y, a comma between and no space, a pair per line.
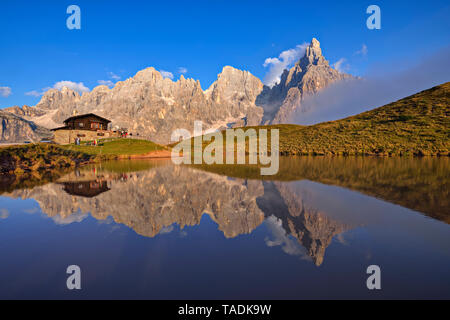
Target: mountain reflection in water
150,200
299,208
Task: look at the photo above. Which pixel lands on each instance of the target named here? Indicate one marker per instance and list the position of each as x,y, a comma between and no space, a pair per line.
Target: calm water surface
141,229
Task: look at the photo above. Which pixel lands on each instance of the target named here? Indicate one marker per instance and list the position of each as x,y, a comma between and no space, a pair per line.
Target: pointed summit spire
313,55
314,43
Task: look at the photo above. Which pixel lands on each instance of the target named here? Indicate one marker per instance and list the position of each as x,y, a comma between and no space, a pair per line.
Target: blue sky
119,38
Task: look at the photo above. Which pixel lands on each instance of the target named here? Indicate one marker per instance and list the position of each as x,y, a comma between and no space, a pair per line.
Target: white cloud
339,65
182,70
34,93
73,218
5,92
166,74
284,61
281,238
363,51
79,87
342,66
108,83
113,76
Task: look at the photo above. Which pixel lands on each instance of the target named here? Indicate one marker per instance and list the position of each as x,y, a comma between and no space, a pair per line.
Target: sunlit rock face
308,76
153,106
13,129
25,111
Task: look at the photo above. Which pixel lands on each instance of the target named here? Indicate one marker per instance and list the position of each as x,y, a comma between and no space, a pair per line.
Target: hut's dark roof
86,115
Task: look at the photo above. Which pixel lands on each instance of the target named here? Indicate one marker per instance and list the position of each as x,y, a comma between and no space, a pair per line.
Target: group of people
78,141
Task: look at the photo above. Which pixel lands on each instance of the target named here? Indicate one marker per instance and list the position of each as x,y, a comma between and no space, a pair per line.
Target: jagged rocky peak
148,74
234,84
228,71
308,76
314,60
313,55
66,90
101,88
54,98
315,44
189,83
230,75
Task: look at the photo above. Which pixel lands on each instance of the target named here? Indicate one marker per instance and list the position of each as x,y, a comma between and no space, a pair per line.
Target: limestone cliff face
153,107
308,76
15,129
237,91
25,111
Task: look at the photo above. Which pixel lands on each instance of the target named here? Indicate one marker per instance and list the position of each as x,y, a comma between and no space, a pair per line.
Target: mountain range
152,106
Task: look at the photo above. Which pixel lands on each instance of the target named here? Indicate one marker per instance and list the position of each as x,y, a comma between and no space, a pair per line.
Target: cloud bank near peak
382,86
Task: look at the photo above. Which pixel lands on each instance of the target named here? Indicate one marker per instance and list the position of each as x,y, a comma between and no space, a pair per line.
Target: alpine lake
154,230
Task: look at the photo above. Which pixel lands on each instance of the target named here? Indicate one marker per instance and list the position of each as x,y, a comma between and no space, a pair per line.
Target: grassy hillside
416,125
117,147
419,125
37,157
